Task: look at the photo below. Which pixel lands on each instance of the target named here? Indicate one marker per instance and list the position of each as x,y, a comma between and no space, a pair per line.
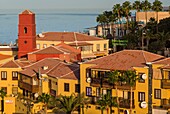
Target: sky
64,4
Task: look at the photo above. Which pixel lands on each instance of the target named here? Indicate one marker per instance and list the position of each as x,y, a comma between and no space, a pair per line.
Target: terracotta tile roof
163,61
8,49
65,71
48,50
66,37
10,64
124,60
80,44
27,12
67,48
59,49
56,68
15,63
5,56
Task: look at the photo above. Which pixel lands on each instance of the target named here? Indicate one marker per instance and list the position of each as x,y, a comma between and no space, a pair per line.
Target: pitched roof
27,12
65,71
163,61
48,50
5,56
55,68
80,44
16,63
66,37
125,60
59,49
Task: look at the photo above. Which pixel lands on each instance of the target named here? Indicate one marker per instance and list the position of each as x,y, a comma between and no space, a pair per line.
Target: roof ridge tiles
68,73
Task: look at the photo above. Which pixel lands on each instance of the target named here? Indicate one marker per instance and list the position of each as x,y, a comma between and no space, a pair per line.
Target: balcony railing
165,103
29,87
125,103
97,82
165,84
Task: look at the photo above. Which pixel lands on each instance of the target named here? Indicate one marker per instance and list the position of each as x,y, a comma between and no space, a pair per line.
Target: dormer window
25,30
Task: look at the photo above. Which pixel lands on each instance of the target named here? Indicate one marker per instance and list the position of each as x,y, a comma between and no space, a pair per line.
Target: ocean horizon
47,20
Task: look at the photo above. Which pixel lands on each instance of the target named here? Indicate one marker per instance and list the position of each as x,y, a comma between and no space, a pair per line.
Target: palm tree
44,98
113,78
68,104
102,20
2,95
157,6
126,8
146,6
83,101
137,7
131,78
117,10
102,103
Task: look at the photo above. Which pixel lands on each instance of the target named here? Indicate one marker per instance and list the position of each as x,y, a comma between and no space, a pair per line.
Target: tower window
25,30
25,42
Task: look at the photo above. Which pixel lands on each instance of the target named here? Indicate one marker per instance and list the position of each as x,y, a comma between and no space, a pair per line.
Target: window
3,75
88,91
44,45
169,75
98,47
14,75
105,46
66,86
25,30
4,89
141,96
157,93
141,80
15,90
77,88
97,92
38,46
49,83
104,92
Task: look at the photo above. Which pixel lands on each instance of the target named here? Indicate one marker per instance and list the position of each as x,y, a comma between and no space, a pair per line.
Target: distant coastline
47,20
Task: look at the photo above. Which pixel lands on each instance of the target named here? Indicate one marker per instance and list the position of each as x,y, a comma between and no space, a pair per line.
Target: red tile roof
66,37
163,61
15,63
27,12
80,44
125,60
59,49
4,56
48,50
56,68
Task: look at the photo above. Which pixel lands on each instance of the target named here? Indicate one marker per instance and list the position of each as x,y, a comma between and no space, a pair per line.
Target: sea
61,20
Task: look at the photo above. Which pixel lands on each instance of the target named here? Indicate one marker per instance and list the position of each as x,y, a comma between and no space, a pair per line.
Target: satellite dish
36,95
88,80
144,76
126,112
143,104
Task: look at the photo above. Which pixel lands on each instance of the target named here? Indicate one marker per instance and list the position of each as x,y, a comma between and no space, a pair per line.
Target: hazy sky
64,4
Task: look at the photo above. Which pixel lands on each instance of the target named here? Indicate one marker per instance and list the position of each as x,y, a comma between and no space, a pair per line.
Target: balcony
165,103
29,87
97,82
93,100
125,103
165,84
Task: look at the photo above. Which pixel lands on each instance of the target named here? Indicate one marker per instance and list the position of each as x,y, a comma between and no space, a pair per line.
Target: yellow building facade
150,95
90,46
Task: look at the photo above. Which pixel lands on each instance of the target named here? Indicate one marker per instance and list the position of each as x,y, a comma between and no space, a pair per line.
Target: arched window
25,30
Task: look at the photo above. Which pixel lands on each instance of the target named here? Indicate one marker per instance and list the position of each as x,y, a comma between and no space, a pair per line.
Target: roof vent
41,35
45,67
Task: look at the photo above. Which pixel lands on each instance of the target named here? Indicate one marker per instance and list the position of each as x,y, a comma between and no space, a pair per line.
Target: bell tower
26,33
